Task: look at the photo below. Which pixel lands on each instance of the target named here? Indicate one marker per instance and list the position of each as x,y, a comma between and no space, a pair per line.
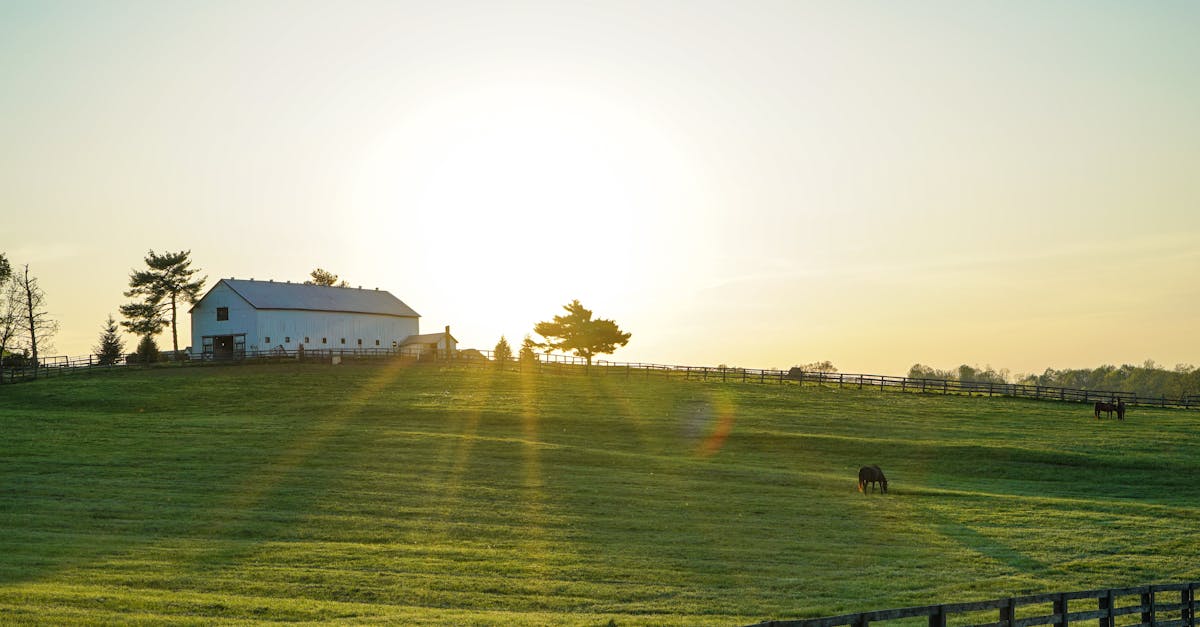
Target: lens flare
708,422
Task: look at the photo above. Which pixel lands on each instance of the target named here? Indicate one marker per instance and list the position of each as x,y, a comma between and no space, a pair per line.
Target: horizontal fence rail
541,362
1160,605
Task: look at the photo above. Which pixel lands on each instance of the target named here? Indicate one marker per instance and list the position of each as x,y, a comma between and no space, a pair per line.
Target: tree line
1148,379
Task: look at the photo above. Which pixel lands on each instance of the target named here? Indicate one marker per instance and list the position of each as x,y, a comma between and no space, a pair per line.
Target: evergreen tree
111,348
527,353
578,332
503,352
147,350
168,281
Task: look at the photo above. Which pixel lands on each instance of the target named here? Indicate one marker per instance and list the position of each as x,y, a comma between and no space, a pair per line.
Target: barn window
267,340
343,340
287,340
306,339
323,340
222,313
360,341
377,342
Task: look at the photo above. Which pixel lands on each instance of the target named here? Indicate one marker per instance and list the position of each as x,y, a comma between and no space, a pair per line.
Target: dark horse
872,475
1109,408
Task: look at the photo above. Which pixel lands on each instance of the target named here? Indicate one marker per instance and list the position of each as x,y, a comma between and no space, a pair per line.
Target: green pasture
384,494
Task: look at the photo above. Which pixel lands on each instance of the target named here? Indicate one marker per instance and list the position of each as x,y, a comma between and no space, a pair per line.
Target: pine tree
111,347
503,352
527,353
578,332
147,350
168,281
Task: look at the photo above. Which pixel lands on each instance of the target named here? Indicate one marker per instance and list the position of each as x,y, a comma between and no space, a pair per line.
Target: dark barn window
222,313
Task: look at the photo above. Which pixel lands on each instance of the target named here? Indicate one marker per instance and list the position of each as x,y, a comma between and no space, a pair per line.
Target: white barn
237,316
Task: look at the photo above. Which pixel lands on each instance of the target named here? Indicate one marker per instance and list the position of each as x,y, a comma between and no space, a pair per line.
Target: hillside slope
368,494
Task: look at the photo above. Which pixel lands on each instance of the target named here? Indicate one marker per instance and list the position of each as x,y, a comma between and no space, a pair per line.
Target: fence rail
58,366
1159,605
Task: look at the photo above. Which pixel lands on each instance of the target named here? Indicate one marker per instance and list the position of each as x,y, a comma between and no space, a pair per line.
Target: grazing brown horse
1108,407
1120,409
872,475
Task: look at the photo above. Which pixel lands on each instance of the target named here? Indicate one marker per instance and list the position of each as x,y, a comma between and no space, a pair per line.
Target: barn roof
273,295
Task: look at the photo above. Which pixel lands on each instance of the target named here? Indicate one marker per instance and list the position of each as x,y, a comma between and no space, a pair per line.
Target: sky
760,184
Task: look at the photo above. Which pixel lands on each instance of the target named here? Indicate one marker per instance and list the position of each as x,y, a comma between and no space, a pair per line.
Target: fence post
1105,604
1008,613
1148,606
938,617
1187,598
1060,608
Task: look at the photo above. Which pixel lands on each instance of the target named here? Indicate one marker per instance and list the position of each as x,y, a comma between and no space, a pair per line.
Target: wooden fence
568,364
1162,605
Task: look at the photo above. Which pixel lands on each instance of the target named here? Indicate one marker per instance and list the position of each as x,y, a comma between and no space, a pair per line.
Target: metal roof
273,295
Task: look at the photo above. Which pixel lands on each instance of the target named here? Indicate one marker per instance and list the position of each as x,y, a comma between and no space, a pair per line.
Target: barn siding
280,324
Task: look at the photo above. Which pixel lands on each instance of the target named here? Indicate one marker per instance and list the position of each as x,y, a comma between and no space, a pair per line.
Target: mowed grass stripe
496,497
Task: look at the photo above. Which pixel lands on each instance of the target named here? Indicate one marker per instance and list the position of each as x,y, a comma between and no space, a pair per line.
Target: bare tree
10,314
33,315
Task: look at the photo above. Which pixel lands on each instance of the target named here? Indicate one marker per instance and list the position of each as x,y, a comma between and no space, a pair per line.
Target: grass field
420,495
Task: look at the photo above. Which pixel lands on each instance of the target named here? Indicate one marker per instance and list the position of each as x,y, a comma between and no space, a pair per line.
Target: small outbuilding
239,315
430,345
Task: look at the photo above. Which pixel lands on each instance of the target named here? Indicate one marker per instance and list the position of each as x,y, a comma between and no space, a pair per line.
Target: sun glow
524,169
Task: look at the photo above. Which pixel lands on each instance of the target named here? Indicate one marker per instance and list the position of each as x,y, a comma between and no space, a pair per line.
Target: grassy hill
385,494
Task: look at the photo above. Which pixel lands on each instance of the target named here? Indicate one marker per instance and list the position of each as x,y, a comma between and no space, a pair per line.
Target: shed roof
425,338
273,295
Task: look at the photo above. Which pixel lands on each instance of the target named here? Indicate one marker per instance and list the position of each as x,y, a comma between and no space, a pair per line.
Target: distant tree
818,366
528,352
33,317
503,352
578,332
111,348
5,269
324,277
147,350
921,371
168,281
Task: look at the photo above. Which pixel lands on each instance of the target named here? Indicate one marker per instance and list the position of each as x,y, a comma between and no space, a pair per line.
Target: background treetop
321,276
